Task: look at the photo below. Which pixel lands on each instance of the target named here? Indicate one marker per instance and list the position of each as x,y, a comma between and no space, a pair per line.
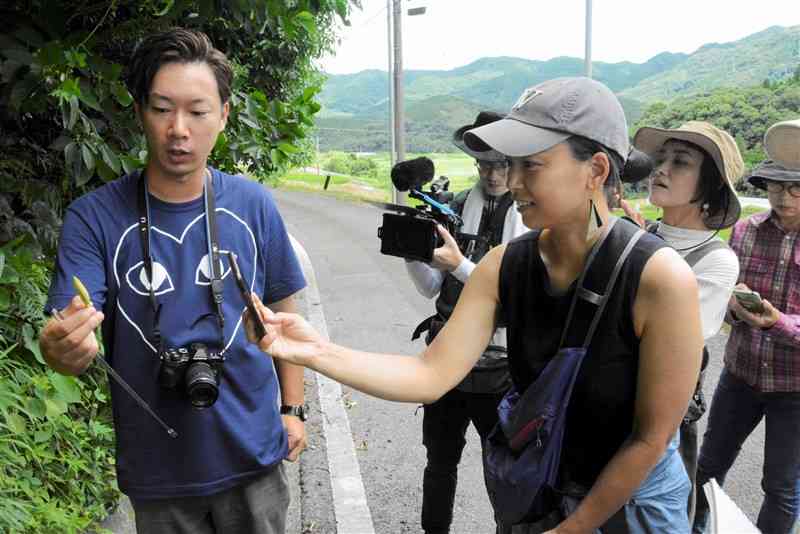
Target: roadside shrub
56,437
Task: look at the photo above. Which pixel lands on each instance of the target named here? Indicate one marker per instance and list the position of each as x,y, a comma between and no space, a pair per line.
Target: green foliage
56,438
351,164
67,125
745,113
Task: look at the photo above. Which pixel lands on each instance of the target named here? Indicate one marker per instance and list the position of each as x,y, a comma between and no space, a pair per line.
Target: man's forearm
290,377
427,280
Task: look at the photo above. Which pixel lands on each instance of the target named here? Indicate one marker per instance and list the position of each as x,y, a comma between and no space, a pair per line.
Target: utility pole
399,125
588,54
317,153
390,84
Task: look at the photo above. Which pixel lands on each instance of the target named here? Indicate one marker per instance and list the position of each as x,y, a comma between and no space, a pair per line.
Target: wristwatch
297,411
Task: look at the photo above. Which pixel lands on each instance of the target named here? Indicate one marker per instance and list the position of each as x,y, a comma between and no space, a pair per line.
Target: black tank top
600,414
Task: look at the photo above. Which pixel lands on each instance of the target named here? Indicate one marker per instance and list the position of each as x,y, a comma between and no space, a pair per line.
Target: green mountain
355,107
772,54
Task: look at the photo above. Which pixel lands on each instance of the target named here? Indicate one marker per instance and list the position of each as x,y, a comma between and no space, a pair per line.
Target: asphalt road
371,304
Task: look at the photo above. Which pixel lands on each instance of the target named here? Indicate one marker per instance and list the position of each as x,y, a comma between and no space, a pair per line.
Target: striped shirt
769,257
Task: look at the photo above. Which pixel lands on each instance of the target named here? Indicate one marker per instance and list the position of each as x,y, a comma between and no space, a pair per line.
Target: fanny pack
523,451
490,373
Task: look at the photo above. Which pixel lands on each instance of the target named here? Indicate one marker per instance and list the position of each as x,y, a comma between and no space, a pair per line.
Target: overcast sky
453,33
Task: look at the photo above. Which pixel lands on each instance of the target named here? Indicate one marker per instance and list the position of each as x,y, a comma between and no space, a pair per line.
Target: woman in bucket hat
567,141
761,377
695,166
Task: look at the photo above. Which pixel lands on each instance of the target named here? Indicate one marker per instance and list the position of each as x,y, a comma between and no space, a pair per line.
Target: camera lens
201,385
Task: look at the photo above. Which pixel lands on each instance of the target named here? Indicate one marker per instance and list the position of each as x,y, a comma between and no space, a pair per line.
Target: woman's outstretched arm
422,378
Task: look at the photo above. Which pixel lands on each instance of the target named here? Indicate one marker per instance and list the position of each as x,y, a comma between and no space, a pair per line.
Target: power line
355,30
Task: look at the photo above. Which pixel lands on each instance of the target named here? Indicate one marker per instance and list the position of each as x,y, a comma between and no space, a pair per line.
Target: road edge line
349,497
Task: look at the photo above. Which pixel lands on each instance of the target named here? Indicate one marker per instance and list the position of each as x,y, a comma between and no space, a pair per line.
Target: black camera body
413,237
196,370
411,232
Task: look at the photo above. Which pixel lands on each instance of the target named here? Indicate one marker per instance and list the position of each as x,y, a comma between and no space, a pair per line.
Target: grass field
458,167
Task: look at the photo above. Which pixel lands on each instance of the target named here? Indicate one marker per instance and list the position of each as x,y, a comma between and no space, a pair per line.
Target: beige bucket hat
719,145
782,143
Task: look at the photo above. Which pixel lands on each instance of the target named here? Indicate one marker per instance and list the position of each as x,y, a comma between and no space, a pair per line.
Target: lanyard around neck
212,240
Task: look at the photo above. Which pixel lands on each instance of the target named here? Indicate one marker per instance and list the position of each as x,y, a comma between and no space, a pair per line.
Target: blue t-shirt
242,434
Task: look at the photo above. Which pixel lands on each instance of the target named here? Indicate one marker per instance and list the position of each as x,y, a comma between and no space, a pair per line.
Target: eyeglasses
779,187
492,166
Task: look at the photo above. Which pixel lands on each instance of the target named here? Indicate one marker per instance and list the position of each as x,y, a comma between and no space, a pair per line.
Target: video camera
411,233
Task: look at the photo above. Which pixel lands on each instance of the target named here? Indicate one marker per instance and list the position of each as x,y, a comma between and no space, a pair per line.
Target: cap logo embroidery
529,94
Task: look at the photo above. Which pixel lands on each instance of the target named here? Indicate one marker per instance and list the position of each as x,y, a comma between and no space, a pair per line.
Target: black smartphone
243,289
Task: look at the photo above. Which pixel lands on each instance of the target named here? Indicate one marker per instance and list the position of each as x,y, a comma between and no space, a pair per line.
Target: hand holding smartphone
749,300
248,300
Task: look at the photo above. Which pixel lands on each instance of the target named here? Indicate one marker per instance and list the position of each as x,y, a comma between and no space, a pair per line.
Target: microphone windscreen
637,167
412,174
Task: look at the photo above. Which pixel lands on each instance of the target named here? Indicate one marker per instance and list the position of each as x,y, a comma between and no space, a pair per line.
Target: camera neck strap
212,240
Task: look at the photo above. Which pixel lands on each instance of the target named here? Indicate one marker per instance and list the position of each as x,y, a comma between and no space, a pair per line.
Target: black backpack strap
495,229
424,326
597,281
700,252
457,204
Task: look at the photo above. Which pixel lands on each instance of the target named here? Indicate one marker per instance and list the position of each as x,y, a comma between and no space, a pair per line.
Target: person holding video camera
617,468
695,166
151,249
489,219
761,376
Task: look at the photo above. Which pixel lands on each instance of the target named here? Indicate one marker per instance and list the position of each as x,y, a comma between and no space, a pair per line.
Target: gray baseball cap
551,112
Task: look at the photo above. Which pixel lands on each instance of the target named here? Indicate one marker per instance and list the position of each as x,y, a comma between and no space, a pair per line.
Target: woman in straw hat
692,182
567,141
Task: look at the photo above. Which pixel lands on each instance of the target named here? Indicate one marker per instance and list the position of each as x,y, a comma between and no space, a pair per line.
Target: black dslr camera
196,369
412,234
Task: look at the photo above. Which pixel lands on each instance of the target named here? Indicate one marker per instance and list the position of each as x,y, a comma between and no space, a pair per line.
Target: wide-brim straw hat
483,118
719,145
782,143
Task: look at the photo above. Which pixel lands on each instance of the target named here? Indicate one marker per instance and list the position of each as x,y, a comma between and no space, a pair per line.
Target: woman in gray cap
695,166
567,141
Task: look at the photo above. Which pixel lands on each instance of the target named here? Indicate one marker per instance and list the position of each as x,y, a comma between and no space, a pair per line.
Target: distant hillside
429,126
490,82
771,54
355,107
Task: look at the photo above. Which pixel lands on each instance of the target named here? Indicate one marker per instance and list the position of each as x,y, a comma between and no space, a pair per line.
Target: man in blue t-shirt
151,284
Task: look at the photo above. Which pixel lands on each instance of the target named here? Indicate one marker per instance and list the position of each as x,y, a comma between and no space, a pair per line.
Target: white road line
349,498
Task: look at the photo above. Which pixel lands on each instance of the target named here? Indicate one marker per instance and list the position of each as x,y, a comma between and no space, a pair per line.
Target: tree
66,127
